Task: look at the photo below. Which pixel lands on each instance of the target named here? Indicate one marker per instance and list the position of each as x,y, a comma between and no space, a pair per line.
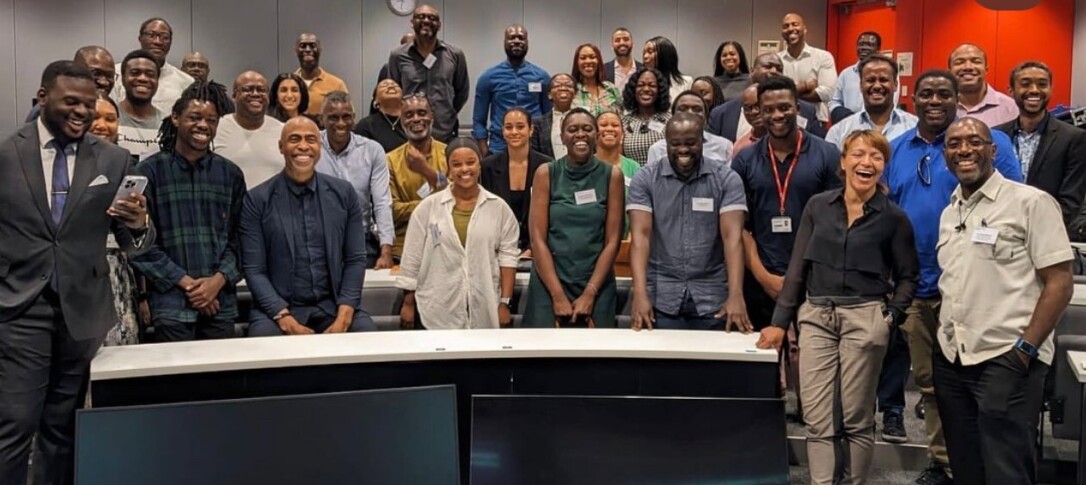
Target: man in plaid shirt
195,197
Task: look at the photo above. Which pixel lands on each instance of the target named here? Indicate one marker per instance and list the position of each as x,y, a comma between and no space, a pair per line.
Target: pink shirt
995,109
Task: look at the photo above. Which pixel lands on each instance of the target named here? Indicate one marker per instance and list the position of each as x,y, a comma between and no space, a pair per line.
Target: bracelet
281,315
595,290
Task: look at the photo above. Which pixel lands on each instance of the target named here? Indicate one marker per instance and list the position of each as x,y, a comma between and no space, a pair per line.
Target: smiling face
752,110
866,45
100,63
793,29
516,129
1032,88
338,119
878,85
648,54
689,103
300,144
157,38
308,50
862,164
106,121
417,119
766,65
579,136
388,90
67,108
587,63
251,94
464,168
969,152
609,131
936,103
196,65
196,125
778,111
647,90
289,95
704,89
516,42
969,64
729,59
621,43
140,80
426,22
684,146
562,90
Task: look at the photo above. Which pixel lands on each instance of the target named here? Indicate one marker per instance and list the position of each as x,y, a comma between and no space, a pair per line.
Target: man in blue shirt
921,184
878,111
514,82
362,162
847,98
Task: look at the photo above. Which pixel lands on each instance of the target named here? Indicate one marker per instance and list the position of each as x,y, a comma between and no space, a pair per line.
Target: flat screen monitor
629,440
394,437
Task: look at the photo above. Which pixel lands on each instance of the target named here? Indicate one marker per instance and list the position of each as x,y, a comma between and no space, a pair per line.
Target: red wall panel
859,19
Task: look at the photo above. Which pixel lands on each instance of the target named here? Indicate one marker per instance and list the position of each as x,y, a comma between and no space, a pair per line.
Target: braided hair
206,91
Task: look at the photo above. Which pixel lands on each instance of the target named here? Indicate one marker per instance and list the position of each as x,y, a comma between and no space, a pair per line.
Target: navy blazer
267,244
724,119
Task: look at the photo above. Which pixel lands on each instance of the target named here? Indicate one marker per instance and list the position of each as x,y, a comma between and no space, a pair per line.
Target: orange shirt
319,87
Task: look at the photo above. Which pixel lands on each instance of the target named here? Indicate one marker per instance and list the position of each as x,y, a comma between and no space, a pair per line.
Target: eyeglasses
751,108
566,86
974,143
253,90
923,170
424,16
163,36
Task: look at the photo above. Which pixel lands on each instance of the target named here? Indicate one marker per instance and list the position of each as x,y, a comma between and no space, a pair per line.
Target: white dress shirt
557,146
813,63
457,287
48,154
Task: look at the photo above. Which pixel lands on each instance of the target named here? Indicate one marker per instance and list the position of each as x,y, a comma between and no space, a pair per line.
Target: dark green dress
576,238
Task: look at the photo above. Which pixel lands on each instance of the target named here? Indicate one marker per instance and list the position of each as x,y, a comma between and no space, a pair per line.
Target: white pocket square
100,180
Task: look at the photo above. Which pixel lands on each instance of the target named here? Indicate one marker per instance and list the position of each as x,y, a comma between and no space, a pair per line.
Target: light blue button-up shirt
847,91
713,147
364,165
899,123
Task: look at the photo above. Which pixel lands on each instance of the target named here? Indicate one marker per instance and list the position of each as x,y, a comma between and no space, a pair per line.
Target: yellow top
409,188
461,218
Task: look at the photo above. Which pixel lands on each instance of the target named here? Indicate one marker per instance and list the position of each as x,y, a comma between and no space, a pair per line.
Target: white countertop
383,278
402,346
1078,297
1078,359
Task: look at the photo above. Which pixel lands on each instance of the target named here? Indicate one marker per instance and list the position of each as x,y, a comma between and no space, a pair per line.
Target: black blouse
831,259
385,130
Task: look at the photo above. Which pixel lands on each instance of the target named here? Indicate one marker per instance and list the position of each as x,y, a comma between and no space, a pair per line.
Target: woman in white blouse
460,253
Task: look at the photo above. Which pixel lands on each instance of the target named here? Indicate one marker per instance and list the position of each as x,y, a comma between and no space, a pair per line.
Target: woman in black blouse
383,124
509,174
853,248
730,70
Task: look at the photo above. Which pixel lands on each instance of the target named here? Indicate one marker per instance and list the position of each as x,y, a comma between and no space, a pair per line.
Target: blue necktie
60,182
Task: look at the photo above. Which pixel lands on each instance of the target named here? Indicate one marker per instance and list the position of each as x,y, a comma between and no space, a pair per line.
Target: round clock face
402,8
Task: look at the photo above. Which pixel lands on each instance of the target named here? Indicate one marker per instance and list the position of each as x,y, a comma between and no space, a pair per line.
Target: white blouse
458,287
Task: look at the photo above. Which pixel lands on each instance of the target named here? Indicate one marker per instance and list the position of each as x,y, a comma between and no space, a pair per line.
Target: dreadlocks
210,92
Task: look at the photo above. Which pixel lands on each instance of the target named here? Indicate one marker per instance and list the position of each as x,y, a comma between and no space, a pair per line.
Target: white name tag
429,61
535,87
435,235
424,191
656,126
703,204
781,224
585,196
986,235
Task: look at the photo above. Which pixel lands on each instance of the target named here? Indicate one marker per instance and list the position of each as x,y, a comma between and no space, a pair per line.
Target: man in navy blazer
303,243
724,120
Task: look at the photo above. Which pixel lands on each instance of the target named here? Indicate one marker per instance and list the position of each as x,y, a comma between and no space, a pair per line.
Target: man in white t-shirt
250,138
156,37
140,119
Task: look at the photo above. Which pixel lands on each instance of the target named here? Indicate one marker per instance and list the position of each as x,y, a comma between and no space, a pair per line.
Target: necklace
391,123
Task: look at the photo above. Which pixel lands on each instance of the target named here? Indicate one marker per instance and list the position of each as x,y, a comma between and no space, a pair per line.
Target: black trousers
990,415
43,380
204,328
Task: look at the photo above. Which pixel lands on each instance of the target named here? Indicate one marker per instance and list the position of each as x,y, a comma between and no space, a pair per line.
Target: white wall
357,35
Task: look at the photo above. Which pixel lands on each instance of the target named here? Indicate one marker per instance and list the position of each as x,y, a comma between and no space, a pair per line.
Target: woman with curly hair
646,103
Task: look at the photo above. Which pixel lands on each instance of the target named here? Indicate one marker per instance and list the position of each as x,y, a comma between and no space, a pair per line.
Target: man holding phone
196,198
57,189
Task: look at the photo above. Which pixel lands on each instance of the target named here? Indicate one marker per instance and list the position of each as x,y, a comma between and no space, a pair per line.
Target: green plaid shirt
195,209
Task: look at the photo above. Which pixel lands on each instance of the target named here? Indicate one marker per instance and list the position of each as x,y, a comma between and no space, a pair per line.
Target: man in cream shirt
156,37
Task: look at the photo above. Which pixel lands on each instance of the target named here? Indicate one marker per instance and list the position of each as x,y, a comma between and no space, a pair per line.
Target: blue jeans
687,319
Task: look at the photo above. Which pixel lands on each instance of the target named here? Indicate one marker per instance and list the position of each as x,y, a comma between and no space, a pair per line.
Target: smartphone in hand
131,183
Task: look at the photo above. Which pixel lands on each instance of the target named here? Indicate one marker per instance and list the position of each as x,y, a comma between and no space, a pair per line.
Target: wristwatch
1027,348
280,316
505,301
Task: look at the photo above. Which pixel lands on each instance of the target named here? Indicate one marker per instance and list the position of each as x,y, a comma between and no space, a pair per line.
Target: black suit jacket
1058,166
495,178
609,69
541,135
724,119
267,242
32,247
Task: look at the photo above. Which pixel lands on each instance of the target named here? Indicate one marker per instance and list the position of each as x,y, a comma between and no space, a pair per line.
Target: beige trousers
920,326
841,352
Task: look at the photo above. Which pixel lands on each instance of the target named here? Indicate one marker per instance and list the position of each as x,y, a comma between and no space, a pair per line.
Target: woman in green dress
575,226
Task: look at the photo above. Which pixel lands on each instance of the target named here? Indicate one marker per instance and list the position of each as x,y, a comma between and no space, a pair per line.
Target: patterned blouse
641,134
609,97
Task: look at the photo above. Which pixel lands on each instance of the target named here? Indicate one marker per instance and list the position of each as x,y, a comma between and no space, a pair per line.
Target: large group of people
774,196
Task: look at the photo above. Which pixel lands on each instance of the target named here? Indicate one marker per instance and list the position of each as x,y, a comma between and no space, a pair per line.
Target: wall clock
402,8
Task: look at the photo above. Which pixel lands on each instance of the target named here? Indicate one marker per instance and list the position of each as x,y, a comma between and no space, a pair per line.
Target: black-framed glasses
419,94
923,170
976,143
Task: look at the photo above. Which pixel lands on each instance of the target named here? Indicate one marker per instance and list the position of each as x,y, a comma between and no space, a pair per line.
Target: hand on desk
771,338
290,326
561,307
407,316
641,313
735,310
505,318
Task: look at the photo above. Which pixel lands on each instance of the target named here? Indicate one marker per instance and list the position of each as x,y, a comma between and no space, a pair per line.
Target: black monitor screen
628,440
394,436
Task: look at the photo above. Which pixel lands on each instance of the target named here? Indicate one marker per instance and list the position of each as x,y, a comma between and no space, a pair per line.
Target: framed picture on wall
768,46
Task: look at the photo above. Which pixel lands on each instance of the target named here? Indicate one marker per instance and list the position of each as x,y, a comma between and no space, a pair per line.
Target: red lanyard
782,190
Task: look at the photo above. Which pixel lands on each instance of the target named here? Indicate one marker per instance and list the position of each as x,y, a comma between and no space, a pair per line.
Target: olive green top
461,218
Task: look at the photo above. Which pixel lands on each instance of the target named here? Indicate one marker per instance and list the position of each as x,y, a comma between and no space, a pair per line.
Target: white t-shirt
171,83
139,137
256,152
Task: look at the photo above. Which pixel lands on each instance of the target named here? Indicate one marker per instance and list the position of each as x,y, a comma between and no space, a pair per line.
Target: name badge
429,61
627,180
435,235
781,224
585,196
986,235
703,204
424,191
535,87
656,126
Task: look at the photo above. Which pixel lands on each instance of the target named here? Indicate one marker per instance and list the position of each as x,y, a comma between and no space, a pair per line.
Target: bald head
969,64
251,98
407,38
308,50
100,63
426,22
766,65
793,30
196,65
969,153
300,144
683,136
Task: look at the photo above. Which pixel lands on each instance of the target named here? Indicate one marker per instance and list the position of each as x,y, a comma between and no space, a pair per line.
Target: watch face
402,8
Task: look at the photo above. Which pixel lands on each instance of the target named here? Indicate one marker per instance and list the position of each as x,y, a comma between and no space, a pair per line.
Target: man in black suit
303,245
1053,153
622,45
57,189
727,119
